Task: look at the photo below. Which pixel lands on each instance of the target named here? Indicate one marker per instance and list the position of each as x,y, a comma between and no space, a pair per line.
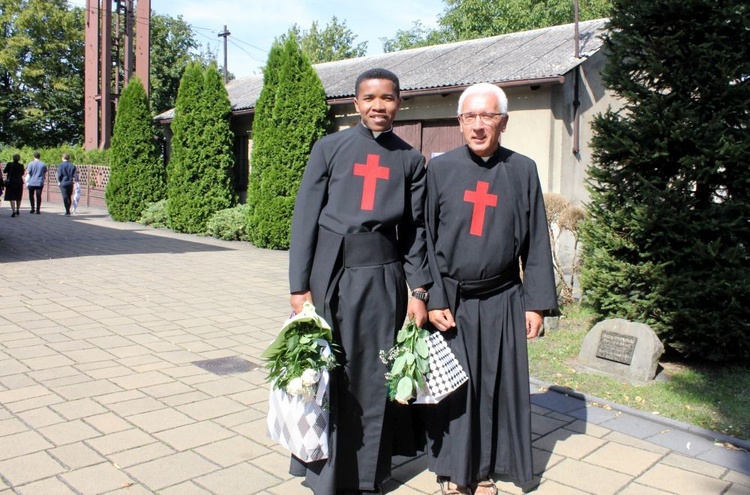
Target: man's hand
534,320
442,319
417,309
298,298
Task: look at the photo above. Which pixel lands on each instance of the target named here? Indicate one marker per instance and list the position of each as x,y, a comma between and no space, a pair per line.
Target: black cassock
357,238
481,218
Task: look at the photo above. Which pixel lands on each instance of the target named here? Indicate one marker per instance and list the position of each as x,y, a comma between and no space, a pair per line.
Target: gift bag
446,373
299,423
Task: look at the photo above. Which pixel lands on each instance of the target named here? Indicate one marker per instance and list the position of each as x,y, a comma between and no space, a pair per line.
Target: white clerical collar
486,158
375,134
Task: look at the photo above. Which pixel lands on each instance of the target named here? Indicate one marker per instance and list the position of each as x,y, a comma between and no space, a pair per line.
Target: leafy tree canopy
470,19
334,42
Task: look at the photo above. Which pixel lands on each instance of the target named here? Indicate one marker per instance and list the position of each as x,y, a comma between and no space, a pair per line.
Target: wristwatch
422,294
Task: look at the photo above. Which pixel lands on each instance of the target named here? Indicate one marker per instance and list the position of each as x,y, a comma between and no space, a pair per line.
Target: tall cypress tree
137,176
299,118
185,139
216,154
263,125
668,243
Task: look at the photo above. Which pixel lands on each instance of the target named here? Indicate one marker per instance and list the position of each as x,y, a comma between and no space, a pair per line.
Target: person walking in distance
14,184
36,172
67,174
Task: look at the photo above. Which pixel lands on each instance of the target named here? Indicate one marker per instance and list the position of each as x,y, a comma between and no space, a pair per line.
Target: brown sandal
449,488
485,487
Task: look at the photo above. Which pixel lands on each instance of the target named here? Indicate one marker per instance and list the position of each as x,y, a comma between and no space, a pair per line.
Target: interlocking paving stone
88,389
76,455
162,419
171,470
10,426
27,468
682,442
587,477
636,489
633,426
69,432
232,451
20,394
119,441
676,480
622,458
142,380
50,486
139,455
100,478
568,443
194,435
108,423
211,408
234,480
23,443
78,408
187,488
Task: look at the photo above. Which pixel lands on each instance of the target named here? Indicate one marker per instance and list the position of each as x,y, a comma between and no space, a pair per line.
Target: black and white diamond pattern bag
446,373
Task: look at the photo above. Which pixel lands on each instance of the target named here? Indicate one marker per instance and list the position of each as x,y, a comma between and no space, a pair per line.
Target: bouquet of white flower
299,361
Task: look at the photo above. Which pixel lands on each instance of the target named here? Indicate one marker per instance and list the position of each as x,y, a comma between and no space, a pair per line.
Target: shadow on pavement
52,235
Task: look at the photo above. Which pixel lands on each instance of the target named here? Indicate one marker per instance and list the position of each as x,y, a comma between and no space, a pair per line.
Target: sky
254,24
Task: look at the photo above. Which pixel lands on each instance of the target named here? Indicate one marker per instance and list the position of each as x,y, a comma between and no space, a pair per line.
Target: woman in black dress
14,184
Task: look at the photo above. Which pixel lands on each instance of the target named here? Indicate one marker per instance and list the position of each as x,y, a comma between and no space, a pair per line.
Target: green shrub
155,215
229,224
137,176
287,128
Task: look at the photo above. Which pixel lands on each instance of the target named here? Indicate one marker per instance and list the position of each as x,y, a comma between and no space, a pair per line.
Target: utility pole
225,34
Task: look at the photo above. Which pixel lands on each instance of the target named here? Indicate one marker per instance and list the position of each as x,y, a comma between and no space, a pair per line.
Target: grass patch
710,395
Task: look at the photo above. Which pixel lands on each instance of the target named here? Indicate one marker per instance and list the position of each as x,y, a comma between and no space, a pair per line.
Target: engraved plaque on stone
616,347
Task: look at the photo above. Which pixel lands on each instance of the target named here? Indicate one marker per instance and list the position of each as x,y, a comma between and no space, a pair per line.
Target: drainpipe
576,87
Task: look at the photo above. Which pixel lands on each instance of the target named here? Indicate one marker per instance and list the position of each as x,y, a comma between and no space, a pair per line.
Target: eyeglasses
487,117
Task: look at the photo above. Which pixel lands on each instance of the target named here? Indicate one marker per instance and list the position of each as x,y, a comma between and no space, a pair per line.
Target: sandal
449,488
485,487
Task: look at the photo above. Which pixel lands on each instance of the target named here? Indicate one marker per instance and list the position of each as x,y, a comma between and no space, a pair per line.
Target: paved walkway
101,325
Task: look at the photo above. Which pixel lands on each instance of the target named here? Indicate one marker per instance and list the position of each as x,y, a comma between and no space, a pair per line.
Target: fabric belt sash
456,290
369,249
335,252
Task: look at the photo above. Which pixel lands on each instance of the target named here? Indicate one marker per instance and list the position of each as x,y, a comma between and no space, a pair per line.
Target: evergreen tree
185,139
137,177
216,150
668,243
263,124
298,118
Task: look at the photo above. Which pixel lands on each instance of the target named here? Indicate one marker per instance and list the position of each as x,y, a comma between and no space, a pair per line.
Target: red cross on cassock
372,171
481,201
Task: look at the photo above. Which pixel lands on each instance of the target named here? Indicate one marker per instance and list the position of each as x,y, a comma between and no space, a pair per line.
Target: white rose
295,386
310,377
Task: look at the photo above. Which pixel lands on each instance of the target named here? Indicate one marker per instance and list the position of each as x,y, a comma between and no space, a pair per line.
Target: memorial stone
622,349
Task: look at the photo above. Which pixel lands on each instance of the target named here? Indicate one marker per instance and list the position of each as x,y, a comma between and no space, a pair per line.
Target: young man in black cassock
484,212
357,239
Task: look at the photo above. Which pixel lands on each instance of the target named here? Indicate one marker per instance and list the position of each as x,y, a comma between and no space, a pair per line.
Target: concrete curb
671,423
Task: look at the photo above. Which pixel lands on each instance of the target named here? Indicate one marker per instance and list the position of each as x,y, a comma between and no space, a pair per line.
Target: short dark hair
37,154
377,73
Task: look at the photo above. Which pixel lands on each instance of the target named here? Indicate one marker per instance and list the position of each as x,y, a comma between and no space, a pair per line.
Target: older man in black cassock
484,213
357,238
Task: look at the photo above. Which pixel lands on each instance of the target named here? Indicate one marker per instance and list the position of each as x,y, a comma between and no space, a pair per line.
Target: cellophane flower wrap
298,364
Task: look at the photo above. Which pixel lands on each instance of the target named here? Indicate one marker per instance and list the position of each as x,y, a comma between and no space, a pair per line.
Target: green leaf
405,388
421,347
398,365
403,334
